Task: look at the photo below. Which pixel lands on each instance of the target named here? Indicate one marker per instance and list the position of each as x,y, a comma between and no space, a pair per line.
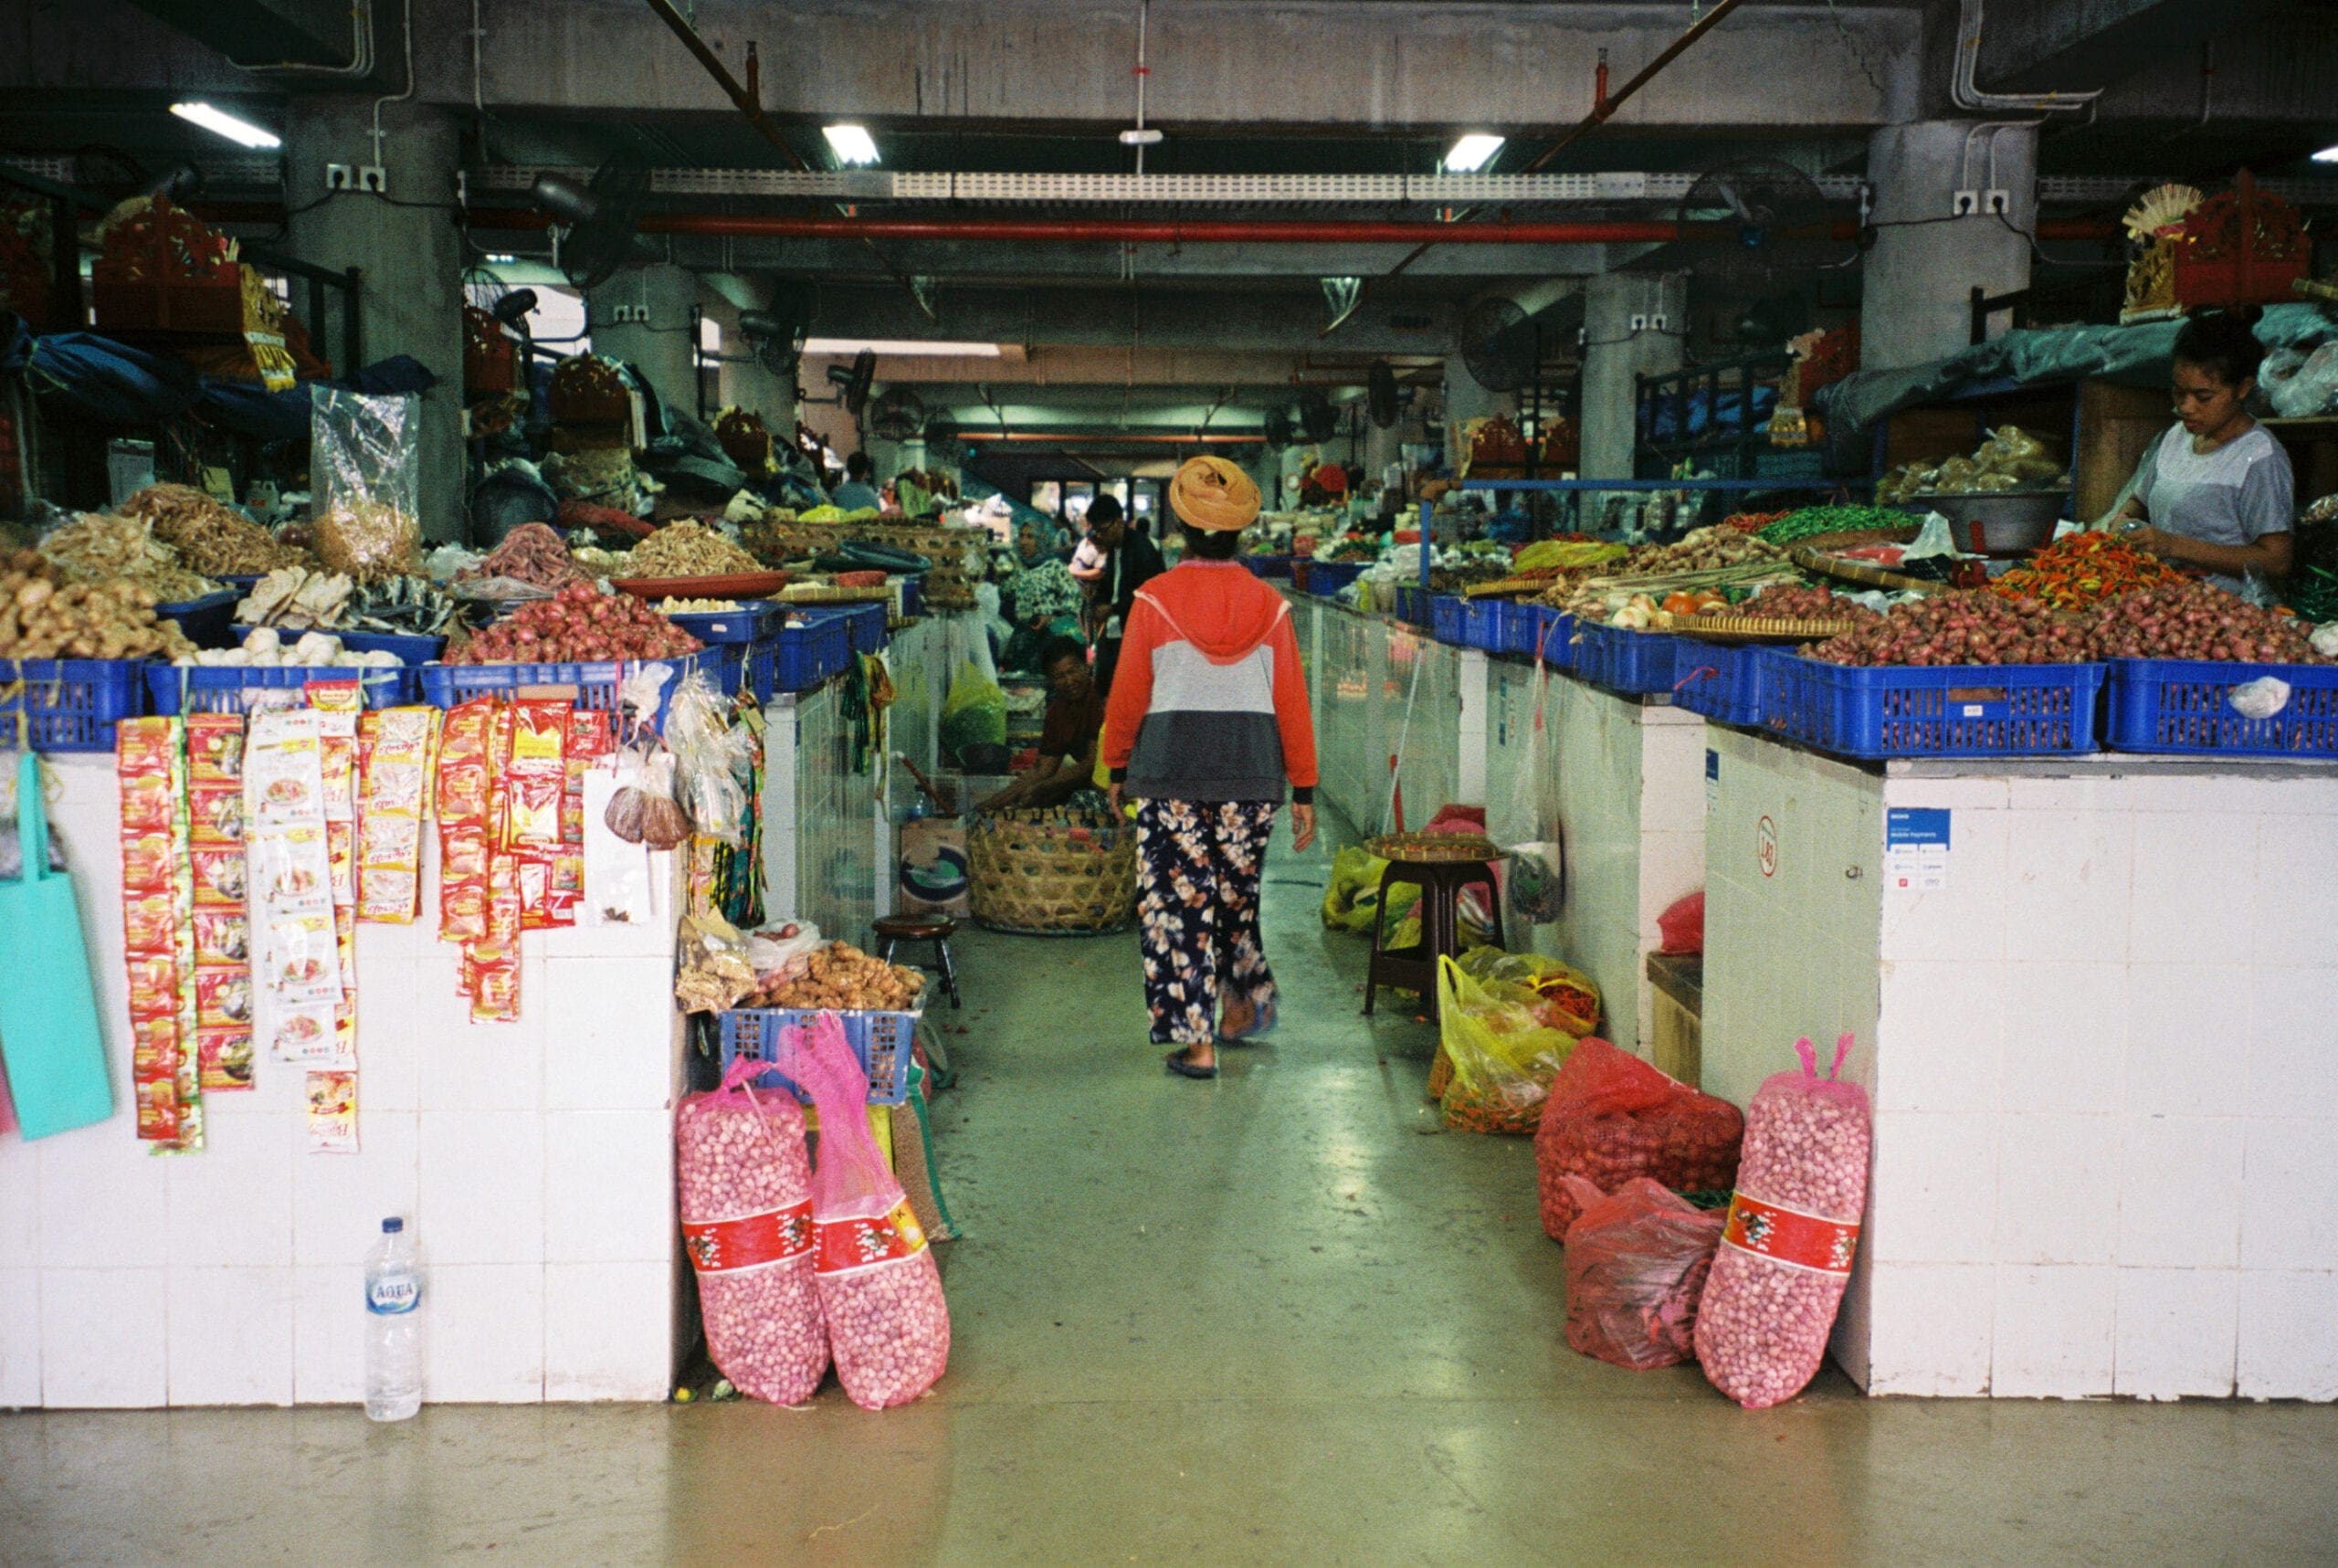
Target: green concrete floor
1277,1318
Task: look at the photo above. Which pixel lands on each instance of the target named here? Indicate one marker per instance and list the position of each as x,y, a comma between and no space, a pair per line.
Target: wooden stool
935,928
1415,968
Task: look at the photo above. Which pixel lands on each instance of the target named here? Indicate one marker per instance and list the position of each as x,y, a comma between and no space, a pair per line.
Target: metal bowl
2000,522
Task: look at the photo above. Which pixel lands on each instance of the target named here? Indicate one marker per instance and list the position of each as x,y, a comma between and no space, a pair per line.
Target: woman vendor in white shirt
2216,489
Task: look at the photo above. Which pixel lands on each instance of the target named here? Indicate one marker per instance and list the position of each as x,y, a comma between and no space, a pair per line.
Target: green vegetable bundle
1813,520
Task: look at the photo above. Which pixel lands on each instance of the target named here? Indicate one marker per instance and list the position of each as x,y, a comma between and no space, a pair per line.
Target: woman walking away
1207,719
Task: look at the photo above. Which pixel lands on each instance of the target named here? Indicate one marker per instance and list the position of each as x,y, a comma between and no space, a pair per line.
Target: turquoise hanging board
54,1052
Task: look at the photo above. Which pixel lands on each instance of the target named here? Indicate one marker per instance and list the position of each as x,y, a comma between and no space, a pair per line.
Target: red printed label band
849,1244
750,1241
1788,1235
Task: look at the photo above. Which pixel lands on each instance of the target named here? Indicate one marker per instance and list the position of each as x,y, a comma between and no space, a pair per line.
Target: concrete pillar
410,256
657,337
1917,283
1616,355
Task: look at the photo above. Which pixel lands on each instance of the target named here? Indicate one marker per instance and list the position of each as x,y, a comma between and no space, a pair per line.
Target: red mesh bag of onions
1793,1225
745,1189
887,1324
1637,1260
1612,1117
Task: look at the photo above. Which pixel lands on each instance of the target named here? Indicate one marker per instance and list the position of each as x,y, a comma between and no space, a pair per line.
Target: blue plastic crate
1412,605
206,622
1719,680
1554,638
1638,664
832,637
1326,578
865,627
1447,614
1267,565
1957,710
913,596
743,625
68,704
221,687
804,655
592,685
2184,706
884,1041
412,647
1482,623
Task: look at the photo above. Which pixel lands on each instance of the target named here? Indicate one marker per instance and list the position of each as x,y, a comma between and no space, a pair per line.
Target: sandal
1262,1021
1176,1062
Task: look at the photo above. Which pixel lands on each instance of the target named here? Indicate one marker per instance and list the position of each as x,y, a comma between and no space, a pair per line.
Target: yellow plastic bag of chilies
1566,998
1351,900
1503,1056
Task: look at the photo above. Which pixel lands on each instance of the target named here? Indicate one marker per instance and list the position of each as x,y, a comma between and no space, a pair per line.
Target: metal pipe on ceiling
1137,231
1110,437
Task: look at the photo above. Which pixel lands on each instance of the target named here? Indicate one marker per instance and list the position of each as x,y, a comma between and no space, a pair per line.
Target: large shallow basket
1050,873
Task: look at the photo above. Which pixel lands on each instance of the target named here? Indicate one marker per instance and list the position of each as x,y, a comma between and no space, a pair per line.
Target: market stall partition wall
2092,999
1618,780
534,1161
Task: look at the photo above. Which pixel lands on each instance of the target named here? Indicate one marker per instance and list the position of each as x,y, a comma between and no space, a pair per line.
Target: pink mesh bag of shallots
1794,1223
888,1325
1637,1262
745,1192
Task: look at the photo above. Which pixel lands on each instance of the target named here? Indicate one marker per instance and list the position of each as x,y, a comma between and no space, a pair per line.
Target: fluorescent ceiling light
500,259
1472,153
2327,155
898,347
220,123
851,143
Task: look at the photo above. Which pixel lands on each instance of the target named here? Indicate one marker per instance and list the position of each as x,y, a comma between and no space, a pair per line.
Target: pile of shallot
2193,619
578,625
1781,602
1960,629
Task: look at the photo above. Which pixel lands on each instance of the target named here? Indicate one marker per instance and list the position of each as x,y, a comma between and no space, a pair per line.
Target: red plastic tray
738,586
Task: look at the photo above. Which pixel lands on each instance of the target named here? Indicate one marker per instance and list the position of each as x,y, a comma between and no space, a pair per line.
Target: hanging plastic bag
1637,1262
1503,1056
1352,898
972,714
365,472
1682,926
889,1327
1537,884
745,1192
712,759
1611,1117
1794,1223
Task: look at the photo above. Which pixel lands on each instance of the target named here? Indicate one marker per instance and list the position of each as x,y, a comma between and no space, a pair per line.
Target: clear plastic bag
1537,884
713,759
889,1326
745,1190
1611,1117
1637,1262
973,714
1794,1225
366,481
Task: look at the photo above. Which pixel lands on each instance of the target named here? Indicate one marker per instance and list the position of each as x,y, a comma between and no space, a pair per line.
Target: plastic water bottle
392,1325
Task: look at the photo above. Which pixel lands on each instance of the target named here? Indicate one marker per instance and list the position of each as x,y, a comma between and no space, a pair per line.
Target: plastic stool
935,928
1415,968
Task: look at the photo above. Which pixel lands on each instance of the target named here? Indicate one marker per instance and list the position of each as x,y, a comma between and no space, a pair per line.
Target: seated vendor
2216,488
1067,740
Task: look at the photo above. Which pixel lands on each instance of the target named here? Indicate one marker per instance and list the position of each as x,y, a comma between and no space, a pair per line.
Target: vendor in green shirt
1068,738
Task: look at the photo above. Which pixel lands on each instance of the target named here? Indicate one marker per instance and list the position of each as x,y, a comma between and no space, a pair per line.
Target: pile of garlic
314,650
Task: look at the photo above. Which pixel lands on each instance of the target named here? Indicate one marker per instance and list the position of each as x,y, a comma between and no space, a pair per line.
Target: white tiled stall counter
534,1160
2102,1049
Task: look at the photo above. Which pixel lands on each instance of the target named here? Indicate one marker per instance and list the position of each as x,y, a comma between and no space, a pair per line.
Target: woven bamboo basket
1035,874
1426,849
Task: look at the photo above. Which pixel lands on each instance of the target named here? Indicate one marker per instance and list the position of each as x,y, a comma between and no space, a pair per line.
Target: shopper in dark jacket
1131,561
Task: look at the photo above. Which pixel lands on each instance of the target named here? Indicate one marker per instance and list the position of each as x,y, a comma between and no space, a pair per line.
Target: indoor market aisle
1281,1317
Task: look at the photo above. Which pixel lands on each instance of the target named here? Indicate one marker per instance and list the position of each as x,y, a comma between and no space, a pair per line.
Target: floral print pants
1197,908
